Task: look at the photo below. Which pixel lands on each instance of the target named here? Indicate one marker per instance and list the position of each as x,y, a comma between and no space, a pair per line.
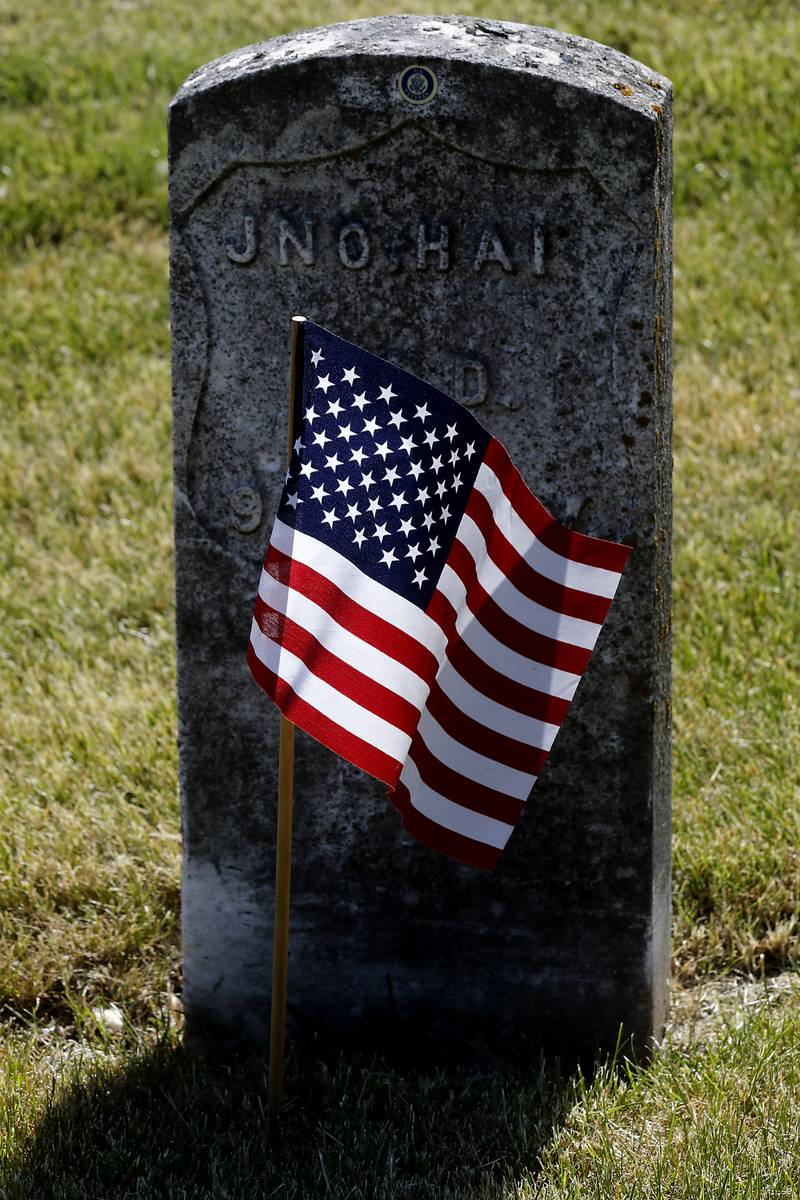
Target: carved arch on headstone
184,213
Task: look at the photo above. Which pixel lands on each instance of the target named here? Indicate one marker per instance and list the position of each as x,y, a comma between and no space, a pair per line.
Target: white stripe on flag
452,816
596,580
560,627
488,712
336,640
327,700
550,680
470,764
359,587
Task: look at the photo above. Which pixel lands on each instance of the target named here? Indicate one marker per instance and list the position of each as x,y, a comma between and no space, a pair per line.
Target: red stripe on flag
491,683
309,719
485,741
344,677
507,629
540,589
436,837
591,551
357,620
460,790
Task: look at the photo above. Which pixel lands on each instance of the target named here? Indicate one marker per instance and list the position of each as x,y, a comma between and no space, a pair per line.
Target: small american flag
419,611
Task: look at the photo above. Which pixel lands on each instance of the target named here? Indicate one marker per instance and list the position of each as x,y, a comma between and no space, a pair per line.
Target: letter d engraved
470,381
243,257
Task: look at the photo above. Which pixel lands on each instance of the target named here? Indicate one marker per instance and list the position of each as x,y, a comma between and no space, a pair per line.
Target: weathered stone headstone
488,205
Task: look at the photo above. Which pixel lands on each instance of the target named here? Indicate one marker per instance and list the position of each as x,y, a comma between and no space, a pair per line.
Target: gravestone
487,205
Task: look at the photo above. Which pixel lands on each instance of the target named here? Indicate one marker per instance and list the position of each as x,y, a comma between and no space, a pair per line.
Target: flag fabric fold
419,611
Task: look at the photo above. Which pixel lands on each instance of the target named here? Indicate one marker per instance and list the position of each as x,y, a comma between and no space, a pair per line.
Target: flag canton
382,464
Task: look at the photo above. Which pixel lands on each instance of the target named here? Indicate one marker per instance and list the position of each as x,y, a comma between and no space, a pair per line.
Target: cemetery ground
96,1097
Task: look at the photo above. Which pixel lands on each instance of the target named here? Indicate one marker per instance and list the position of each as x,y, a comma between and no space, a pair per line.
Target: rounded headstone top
517,94
504,45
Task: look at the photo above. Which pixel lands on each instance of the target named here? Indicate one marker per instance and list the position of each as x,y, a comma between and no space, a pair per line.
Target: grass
89,842
714,1117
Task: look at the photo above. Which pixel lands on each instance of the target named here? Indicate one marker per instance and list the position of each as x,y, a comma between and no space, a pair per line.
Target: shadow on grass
167,1124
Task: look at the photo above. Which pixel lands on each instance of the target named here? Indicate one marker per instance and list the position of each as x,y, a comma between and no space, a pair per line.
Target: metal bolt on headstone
491,203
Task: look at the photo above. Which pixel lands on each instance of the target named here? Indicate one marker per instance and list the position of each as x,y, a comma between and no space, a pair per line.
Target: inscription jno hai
438,246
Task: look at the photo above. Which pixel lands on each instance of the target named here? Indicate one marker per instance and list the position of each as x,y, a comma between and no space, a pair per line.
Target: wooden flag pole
283,855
